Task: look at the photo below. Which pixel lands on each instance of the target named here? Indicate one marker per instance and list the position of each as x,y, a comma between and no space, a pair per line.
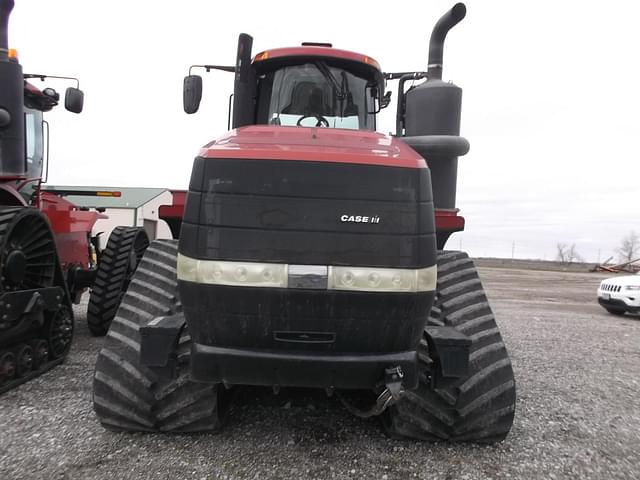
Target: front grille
607,287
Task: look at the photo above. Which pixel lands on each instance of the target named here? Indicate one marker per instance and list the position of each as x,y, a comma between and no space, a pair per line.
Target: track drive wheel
117,264
128,396
478,408
27,250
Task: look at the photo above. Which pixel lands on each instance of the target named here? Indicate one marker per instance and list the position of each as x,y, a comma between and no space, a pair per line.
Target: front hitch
393,391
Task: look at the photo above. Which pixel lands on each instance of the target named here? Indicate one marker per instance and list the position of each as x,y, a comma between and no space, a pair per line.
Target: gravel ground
578,411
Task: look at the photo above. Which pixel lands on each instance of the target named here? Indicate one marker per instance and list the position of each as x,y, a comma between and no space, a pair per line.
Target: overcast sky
551,99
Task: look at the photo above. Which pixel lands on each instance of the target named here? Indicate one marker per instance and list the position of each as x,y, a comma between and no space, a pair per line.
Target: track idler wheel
24,360
40,353
7,367
60,333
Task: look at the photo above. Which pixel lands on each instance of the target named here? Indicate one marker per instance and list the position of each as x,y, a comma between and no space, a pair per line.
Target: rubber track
128,396
111,279
480,407
45,367
7,214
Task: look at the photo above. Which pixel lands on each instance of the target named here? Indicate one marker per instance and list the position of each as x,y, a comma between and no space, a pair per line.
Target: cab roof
314,51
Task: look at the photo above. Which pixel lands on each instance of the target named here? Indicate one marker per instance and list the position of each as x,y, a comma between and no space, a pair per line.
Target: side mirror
192,93
74,100
385,101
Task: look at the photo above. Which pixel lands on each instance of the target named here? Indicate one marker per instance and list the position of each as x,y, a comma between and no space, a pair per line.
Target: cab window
315,94
33,143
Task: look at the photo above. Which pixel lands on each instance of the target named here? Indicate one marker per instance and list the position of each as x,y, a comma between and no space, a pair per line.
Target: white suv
620,294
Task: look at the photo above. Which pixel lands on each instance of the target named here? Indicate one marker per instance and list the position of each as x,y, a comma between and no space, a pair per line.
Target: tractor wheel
479,407
615,311
117,264
130,397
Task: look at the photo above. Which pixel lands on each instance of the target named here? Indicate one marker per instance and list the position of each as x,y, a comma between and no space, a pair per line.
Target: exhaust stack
244,85
432,118
5,10
12,157
438,35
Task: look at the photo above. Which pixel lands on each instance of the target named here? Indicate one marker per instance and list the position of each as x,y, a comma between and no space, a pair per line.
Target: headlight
377,279
249,274
632,287
276,275
370,279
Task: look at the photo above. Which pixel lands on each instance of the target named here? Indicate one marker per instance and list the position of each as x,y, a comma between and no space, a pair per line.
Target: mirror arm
42,78
398,75
208,68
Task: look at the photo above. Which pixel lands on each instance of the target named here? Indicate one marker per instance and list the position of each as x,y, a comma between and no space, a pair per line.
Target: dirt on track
578,411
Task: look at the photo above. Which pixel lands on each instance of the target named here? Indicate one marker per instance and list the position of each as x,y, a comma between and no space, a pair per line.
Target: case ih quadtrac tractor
48,257
310,255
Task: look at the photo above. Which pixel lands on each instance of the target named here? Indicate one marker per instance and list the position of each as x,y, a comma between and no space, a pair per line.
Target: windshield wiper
326,73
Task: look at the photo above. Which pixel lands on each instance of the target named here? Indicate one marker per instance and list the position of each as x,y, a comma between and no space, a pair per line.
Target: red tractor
48,257
311,255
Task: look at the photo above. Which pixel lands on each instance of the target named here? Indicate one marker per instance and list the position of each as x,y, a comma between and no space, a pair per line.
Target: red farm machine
311,254
48,257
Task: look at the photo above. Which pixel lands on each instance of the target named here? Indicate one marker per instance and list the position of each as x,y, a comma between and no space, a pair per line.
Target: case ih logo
359,219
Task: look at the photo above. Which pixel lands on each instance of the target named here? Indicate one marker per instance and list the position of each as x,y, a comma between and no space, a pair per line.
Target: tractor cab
314,85
36,102
317,86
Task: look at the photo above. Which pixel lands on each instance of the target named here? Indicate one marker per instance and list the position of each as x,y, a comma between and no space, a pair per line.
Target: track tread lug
130,389
479,408
111,277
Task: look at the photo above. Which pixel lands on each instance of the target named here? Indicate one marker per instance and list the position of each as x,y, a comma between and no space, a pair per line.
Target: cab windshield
316,95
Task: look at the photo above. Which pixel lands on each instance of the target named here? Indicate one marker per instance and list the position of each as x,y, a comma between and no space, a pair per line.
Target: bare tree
630,247
561,256
568,254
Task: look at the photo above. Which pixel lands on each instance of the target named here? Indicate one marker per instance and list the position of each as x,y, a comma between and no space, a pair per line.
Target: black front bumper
285,368
619,304
302,338
159,339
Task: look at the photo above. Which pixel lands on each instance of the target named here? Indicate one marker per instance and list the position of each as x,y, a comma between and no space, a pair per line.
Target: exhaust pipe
439,33
244,85
12,157
5,10
432,120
